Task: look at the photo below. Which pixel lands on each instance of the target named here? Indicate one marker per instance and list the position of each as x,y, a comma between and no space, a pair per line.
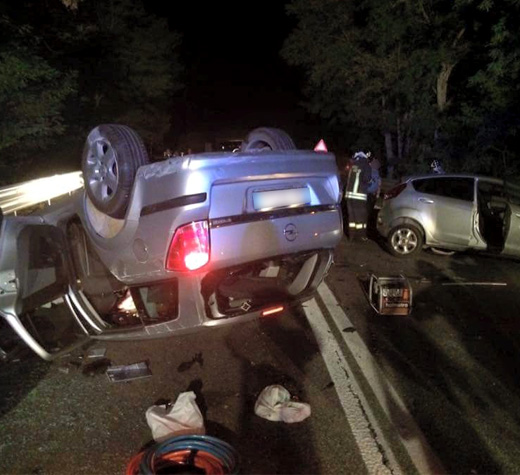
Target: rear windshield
459,188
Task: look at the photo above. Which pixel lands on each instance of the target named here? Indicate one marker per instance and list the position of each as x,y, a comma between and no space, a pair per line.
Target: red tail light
394,191
189,249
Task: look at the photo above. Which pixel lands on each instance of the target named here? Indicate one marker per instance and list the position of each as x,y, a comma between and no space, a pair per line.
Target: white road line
409,433
340,374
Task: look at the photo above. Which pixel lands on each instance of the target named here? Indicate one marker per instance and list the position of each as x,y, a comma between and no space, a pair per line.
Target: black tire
111,157
266,138
405,240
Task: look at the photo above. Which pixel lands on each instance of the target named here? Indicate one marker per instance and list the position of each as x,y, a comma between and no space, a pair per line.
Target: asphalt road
73,423
453,361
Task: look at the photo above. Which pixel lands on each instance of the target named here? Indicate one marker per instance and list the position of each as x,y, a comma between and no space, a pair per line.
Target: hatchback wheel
405,240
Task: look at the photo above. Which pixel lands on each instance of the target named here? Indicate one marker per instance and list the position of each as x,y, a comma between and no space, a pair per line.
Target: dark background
88,63
235,79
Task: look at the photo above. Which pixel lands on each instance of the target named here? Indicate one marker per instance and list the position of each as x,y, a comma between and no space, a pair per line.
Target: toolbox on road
391,295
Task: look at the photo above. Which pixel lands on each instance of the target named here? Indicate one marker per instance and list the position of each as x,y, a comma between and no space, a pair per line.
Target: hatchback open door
35,291
512,230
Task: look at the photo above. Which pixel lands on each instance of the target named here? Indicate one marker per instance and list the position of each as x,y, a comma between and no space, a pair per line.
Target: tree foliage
417,79
32,94
133,65
68,65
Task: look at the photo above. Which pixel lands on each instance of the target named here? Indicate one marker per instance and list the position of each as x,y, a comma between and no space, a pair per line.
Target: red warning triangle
321,146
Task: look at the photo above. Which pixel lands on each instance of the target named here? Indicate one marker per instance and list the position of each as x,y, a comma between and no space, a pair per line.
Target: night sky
235,76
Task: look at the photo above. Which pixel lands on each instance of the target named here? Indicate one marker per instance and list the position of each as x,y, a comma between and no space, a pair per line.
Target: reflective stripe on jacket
357,182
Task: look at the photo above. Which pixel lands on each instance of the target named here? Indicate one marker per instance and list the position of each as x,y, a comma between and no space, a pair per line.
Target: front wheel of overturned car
111,157
405,240
267,138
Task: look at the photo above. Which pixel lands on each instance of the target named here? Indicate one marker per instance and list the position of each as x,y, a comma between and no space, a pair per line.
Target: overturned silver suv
147,250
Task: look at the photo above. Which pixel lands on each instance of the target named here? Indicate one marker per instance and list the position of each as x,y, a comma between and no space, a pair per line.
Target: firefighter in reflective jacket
357,181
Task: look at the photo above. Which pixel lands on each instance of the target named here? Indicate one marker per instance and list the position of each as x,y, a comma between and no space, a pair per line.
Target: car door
512,238
447,208
512,221
36,298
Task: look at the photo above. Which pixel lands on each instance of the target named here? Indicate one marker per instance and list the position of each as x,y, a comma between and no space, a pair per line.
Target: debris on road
98,366
390,295
73,365
129,372
186,365
184,417
476,283
275,404
97,353
459,282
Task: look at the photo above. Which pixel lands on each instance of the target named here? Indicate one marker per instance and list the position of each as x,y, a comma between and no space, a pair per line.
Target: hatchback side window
457,188
426,186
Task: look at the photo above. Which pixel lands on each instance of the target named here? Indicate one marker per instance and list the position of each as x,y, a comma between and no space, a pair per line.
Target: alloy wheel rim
404,241
102,171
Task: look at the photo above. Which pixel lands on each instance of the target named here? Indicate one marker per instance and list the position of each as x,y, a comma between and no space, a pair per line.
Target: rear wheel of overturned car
405,240
267,138
111,157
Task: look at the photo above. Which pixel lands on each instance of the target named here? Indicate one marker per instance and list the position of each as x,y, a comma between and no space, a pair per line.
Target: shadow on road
275,447
455,360
18,378
22,369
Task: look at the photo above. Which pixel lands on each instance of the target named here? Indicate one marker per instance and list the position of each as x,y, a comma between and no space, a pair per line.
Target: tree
361,69
32,96
488,119
127,61
133,68
412,73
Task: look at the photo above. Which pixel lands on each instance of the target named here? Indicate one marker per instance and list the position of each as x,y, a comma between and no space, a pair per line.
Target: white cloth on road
275,404
184,417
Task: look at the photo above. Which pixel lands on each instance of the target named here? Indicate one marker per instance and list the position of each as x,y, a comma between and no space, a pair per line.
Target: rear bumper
239,293
255,286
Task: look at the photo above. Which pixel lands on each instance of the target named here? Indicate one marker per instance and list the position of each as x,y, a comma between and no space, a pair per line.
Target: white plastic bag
275,404
184,417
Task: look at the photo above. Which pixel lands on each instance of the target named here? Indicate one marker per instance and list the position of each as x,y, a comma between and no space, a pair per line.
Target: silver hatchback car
452,212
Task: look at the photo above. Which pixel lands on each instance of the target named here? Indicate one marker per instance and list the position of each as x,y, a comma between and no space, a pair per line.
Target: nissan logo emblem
290,232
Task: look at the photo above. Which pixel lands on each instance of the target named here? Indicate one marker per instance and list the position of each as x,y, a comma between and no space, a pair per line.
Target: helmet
436,166
361,154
